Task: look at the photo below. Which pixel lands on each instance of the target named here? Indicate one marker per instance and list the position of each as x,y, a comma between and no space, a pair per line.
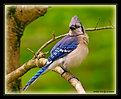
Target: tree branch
39,62
24,68
17,17
58,37
100,28
71,78
48,42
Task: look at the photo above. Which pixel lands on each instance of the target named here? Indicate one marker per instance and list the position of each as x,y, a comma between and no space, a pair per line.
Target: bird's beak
72,27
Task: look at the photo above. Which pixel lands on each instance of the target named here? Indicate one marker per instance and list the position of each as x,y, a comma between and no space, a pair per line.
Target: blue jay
70,51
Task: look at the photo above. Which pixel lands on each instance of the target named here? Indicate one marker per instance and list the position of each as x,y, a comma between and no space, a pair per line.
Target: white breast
76,56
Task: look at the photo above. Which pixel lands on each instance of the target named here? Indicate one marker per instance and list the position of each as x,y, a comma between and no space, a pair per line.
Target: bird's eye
77,26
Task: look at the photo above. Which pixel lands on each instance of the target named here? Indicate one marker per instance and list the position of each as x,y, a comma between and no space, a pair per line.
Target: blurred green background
97,72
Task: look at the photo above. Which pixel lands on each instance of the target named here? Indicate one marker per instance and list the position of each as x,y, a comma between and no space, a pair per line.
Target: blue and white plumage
69,51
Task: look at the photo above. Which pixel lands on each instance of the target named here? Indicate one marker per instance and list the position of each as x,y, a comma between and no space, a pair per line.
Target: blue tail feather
40,72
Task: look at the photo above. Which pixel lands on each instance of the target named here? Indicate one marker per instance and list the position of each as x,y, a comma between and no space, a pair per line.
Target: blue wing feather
67,43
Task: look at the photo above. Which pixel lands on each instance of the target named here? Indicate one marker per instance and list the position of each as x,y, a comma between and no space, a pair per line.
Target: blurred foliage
98,70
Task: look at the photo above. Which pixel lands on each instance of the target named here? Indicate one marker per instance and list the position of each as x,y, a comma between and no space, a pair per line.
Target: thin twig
97,23
53,35
48,42
100,28
32,52
58,37
110,23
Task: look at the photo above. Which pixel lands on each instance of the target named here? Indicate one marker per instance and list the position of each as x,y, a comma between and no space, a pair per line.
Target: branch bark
71,78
